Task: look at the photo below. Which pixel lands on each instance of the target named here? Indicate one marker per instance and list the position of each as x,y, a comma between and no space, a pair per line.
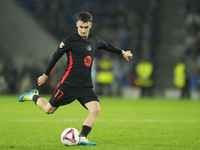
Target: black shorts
65,94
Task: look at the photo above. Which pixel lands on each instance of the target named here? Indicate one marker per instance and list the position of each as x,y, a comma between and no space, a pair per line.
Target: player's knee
48,112
95,111
49,109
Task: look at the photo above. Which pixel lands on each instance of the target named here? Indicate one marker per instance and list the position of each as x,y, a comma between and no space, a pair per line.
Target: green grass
123,124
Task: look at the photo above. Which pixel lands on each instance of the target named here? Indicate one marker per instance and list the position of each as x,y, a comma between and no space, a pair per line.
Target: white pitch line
100,120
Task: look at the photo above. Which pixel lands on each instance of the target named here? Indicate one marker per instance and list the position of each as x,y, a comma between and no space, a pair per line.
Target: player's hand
127,55
42,79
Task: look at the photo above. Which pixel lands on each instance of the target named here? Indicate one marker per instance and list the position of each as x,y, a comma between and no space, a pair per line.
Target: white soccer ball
70,137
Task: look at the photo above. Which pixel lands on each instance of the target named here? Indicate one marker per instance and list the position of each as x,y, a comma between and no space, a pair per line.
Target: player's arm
114,49
57,55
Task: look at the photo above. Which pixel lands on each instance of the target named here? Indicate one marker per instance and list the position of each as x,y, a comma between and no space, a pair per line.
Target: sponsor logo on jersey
88,47
88,61
61,45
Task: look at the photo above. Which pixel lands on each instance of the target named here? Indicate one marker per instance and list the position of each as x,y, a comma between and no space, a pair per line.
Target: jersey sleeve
61,50
109,47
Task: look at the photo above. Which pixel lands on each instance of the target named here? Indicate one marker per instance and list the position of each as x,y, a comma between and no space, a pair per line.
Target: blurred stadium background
162,33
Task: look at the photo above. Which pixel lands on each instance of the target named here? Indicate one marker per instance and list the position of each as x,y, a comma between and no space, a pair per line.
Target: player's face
83,28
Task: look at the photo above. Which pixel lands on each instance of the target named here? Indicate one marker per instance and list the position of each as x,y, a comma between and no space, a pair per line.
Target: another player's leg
94,109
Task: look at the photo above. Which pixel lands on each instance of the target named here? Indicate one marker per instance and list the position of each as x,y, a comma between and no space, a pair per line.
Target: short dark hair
85,17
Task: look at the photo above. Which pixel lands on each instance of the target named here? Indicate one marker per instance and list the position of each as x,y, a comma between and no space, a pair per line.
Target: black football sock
85,131
35,98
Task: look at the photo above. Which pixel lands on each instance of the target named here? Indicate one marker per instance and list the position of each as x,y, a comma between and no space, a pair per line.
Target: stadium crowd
192,41
187,69
129,24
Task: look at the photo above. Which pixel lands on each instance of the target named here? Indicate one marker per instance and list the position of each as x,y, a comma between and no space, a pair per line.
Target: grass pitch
123,124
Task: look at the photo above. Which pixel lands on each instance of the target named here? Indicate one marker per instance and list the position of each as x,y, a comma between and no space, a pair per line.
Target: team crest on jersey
88,61
61,45
88,47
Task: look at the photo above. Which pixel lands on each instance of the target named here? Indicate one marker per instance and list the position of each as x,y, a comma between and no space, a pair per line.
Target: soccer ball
70,137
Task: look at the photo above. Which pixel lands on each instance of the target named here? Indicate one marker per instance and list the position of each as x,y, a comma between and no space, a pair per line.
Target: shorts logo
61,45
88,47
88,61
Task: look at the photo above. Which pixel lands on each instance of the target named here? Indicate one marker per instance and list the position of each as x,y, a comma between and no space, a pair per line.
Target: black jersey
80,53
